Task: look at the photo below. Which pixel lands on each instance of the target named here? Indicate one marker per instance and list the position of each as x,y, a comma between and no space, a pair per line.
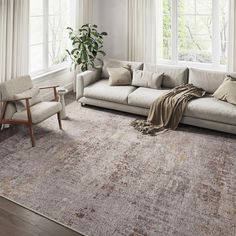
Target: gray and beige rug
102,177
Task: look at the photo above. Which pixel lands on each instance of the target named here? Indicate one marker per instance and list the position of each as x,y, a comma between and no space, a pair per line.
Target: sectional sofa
92,88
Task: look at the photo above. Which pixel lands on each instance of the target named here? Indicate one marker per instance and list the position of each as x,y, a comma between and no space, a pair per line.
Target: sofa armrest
84,79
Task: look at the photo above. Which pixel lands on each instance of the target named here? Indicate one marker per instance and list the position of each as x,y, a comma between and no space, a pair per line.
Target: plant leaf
102,52
104,33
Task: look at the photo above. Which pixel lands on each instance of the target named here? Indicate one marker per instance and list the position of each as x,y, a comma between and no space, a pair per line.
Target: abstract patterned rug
102,177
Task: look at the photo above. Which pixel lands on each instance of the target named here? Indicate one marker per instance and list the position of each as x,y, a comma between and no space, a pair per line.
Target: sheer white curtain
232,37
14,28
84,12
143,27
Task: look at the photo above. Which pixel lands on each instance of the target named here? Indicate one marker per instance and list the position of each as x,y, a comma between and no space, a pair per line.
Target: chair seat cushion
39,112
212,109
144,97
103,91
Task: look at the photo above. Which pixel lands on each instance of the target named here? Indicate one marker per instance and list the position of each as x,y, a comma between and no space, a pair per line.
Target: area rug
101,177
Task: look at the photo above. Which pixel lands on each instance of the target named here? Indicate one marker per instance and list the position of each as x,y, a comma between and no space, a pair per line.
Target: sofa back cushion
147,79
206,79
173,75
112,63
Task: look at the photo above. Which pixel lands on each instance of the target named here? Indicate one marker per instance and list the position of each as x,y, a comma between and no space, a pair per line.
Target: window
48,34
195,31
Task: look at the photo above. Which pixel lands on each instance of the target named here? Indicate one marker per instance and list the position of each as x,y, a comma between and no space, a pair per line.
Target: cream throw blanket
167,110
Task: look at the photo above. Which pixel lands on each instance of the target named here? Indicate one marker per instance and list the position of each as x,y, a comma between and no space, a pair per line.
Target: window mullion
174,30
216,32
45,37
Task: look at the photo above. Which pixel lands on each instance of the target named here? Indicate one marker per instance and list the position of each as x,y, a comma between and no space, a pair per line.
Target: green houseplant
87,44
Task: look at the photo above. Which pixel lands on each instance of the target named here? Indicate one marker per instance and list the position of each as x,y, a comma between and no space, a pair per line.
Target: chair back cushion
19,85
10,88
35,98
173,75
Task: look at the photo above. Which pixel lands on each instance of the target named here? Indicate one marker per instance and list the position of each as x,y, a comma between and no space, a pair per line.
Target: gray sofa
92,88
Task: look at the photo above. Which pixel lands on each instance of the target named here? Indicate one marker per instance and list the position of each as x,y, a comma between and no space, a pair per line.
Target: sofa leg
59,119
32,135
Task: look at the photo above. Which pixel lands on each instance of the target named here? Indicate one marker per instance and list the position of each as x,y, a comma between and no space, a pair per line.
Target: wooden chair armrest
54,87
48,87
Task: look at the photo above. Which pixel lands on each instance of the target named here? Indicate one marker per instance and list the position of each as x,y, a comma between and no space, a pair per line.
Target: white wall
112,16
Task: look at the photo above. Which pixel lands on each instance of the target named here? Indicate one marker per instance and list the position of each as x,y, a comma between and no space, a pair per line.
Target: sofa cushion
212,109
39,112
112,63
206,79
119,76
144,97
227,90
173,76
147,79
103,91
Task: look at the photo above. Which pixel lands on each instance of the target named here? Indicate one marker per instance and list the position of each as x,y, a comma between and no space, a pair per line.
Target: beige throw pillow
227,90
113,63
147,79
119,76
21,104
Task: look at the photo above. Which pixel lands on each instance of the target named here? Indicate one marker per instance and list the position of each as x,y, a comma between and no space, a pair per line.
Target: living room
118,117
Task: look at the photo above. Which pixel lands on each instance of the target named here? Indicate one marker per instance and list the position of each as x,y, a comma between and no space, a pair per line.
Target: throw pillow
112,63
147,79
119,76
21,104
227,90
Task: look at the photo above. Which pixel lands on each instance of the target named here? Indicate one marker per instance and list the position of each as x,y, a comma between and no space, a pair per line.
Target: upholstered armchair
21,104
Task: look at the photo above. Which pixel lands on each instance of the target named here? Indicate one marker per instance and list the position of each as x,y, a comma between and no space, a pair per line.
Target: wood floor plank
16,220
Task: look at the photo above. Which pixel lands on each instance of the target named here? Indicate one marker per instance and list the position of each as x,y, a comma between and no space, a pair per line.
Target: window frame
215,40
45,44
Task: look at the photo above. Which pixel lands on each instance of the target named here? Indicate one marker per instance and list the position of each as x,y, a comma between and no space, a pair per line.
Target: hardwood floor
16,220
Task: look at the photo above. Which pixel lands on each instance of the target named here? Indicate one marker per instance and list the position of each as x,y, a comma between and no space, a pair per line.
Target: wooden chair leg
30,124
32,135
59,120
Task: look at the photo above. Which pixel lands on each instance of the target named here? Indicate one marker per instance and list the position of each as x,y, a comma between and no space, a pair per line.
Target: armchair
32,113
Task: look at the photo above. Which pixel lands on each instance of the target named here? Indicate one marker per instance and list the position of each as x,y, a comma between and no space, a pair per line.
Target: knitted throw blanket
167,110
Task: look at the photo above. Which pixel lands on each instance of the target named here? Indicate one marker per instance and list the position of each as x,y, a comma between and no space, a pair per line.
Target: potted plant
87,44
